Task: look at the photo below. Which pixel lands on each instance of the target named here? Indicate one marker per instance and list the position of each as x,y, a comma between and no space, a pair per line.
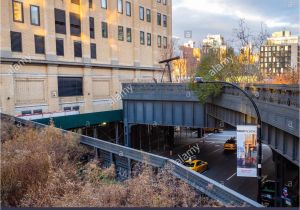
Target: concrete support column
88,89
95,132
117,133
200,133
136,33
171,132
6,11
7,90
50,41
85,31
113,33
52,88
127,132
137,75
115,87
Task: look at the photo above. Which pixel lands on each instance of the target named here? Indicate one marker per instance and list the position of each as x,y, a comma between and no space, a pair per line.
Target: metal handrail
202,183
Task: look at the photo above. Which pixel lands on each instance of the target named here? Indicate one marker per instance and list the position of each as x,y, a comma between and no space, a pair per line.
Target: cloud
213,16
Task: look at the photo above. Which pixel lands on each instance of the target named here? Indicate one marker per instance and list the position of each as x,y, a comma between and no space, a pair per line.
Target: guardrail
204,184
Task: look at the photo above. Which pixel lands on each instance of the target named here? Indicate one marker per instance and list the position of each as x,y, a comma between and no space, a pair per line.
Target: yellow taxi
230,144
196,165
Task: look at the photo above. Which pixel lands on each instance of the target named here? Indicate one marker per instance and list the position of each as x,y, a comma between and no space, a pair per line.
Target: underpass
175,105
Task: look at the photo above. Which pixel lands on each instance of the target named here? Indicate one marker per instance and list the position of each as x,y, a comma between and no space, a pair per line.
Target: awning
84,120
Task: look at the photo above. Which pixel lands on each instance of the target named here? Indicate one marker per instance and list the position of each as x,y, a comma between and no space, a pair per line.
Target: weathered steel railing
205,185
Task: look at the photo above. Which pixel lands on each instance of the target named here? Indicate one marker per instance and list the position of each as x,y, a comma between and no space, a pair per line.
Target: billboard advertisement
247,151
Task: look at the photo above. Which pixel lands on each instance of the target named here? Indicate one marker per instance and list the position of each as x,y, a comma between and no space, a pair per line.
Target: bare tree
249,44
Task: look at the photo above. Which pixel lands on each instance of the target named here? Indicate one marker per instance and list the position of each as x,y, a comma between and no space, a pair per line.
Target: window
159,19
60,47
148,15
165,42
92,28
104,4
66,109
164,2
142,13
16,41
159,41
148,39
18,11
165,21
27,112
75,24
129,35
91,4
142,37
128,8
120,33
39,44
35,15
70,86
75,2
93,51
77,49
38,111
60,21
120,6
76,108
104,30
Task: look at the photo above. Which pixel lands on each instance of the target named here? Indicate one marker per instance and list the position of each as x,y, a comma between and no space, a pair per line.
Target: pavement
222,165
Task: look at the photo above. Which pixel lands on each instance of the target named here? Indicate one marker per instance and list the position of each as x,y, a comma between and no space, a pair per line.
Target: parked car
230,144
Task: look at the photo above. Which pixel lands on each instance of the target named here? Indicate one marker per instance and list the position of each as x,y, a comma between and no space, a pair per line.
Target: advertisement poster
246,151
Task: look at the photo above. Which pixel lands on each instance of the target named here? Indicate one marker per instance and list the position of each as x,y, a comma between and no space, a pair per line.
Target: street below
222,165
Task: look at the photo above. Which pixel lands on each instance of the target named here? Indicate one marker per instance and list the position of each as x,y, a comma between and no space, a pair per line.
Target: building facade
280,53
68,57
214,44
192,56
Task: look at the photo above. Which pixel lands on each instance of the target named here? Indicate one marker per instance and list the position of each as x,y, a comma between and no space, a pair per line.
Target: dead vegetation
43,168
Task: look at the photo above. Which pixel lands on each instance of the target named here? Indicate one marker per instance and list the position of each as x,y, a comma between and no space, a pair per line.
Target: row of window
278,65
18,15
275,48
161,19
277,54
119,2
274,59
75,26
16,43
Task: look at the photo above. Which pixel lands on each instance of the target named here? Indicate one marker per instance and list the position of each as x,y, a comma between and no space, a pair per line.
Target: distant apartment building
280,53
214,44
69,57
191,54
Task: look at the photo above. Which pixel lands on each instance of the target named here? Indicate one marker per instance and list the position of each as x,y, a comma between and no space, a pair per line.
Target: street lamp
199,80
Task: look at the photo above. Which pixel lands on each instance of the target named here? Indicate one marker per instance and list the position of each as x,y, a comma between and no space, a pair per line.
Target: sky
204,17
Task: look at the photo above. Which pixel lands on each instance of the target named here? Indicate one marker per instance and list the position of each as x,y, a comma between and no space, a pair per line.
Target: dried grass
41,168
